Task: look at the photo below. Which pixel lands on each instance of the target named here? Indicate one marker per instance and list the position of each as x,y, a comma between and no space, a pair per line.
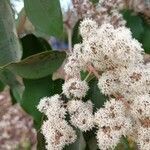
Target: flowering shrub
95,94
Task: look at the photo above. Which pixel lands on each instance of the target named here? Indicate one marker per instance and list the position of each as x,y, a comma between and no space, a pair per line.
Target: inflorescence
116,59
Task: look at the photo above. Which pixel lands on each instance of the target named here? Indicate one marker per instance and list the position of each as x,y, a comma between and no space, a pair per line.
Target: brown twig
20,27
91,69
121,98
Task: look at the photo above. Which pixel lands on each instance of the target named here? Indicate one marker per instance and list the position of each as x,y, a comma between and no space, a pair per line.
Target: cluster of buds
108,11
116,60
139,6
103,12
16,127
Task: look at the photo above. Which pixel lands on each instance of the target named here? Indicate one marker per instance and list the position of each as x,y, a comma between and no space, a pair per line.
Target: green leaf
124,144
76,38
94,1
2,86
38,65
79,144
41,142
92,144
91,139
14,83
135,23
33,45
45,15
10,50
13,99
44,43
95,95
146,39
85,75
34,91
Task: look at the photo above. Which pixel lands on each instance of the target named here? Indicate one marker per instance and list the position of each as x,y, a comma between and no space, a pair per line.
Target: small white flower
107,138
133,80
114,111
108,83
75,88
143,138
43,104
52,107
88,26
126,51
72,67
81,114
140,107
106,31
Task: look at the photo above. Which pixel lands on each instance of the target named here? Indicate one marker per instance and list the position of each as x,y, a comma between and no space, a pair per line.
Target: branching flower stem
121,98
91,69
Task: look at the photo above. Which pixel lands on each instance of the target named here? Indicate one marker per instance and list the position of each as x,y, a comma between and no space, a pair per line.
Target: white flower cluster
75,88
73,67
113,123
124,76
116,59
56,130
81,114
58,134
140,107
52,107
